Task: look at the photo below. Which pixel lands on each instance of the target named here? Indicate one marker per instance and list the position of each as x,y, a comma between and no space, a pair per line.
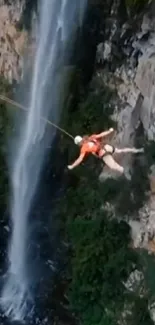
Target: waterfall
57,24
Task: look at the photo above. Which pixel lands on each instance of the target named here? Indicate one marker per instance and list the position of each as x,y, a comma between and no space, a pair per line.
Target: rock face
12,40
126,61
134,80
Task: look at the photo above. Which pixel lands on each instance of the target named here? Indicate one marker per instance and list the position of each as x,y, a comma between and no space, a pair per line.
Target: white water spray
57,26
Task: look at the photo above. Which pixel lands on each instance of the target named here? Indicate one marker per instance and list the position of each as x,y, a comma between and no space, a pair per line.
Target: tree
101,261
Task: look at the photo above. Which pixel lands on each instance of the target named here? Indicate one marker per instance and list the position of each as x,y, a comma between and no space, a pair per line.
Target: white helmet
77,139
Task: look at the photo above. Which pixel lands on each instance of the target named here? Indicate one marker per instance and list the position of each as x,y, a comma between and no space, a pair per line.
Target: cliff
120,93
16,38
133,80
108,221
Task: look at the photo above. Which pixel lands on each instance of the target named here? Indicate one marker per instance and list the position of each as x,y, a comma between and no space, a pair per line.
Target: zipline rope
12,102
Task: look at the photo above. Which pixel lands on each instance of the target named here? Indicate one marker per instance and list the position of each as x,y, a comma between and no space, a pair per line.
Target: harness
106,152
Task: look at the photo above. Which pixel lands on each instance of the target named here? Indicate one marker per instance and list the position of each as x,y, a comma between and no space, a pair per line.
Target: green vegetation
101,257
5,89
135,5
101,262
136,2
91,115
139,314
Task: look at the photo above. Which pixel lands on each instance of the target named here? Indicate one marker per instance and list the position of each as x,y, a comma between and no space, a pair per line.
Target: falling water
57,25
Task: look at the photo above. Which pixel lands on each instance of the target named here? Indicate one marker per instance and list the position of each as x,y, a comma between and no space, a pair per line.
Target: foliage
93,112
101,261
101,257
139,312
136,5
5,89
150,152
90,114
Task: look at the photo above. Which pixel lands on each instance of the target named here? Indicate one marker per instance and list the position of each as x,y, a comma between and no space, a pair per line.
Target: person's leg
112,164
129,150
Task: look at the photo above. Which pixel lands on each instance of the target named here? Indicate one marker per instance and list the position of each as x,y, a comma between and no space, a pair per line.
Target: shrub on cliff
135,5
101,261
5,89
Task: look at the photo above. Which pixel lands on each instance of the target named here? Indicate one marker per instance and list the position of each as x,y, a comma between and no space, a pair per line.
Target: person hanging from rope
95,145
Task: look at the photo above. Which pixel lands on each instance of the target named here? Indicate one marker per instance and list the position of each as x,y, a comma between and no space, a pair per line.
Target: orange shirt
92,145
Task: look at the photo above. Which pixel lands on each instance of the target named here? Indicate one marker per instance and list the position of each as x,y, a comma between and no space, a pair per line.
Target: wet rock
143,229
151,308
103,52
136,233
135,282
152,179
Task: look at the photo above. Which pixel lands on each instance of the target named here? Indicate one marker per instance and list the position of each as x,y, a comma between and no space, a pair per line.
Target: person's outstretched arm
104,134
77,162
